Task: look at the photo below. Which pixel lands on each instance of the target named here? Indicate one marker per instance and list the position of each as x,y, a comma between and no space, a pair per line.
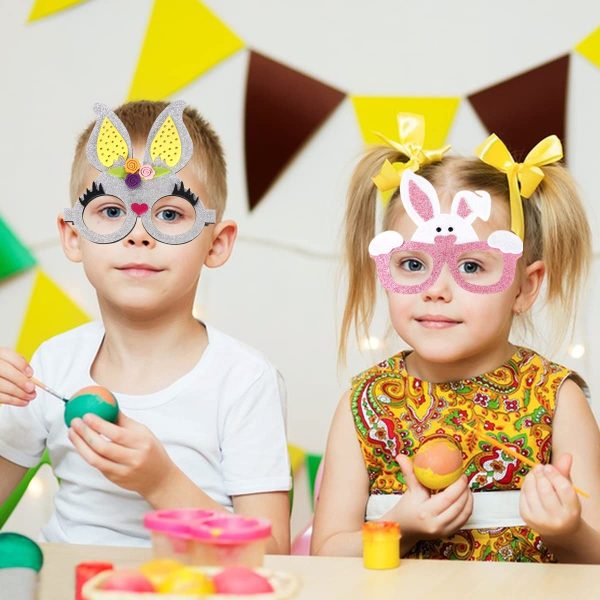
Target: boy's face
141,275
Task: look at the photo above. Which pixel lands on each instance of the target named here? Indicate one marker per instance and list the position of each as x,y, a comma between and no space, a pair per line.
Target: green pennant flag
14,257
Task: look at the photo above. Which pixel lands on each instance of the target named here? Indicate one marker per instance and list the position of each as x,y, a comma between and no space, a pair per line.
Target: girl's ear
224,235
531,284
69,239
418,197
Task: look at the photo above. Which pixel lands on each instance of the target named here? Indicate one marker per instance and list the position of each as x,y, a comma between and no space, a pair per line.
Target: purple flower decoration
133,180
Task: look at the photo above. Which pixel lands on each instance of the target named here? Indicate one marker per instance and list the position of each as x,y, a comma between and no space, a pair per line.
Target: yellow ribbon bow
411,131
523,178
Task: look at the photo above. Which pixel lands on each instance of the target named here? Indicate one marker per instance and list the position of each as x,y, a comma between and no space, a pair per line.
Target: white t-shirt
222,424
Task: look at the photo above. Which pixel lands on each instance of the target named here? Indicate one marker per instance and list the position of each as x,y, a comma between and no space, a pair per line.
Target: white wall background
279,291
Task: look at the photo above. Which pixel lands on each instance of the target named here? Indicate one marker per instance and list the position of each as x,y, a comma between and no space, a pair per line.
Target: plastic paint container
170,532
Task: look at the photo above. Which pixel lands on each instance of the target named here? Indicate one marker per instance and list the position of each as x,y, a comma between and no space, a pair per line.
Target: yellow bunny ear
166,144
110,144
169,141
109,140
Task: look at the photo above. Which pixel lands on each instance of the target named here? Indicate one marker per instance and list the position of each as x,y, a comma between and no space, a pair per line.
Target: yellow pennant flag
43,8
296,457
184,40
378,114
590,47
50,312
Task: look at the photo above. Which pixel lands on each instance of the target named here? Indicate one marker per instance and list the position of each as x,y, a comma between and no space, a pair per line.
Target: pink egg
241,580
127,581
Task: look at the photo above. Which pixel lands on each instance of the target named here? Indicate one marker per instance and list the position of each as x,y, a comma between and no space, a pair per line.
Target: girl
467,243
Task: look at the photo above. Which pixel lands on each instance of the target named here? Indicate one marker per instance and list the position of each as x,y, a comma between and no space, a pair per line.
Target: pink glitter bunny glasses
411,267
477,267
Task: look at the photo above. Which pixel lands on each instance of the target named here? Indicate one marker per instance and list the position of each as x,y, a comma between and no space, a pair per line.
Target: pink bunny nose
139,209
445,240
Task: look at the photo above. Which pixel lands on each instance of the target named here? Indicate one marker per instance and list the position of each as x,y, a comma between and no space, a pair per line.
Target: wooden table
346,578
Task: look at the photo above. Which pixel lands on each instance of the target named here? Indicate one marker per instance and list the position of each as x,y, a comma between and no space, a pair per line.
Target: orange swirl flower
132,165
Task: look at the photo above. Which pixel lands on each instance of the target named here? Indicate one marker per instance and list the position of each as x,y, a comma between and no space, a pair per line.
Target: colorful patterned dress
395,413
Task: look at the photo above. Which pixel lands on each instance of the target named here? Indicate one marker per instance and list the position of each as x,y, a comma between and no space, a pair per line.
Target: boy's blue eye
168,215
113,212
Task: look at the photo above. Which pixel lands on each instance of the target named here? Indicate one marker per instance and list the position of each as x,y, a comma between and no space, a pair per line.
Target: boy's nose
139,236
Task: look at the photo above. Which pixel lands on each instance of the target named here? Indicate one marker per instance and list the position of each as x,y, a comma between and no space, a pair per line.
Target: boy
202,416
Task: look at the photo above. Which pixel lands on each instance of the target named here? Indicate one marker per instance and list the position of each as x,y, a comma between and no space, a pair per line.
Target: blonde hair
208,158
556,231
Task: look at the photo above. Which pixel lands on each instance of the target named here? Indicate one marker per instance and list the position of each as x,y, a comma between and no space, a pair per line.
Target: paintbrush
48,389
511,452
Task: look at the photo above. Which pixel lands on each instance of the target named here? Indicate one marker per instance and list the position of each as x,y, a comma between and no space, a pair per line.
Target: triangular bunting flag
14,257
379,114
590,47
184,40
312,465
283,109
49,313
297,456
44,8
524,109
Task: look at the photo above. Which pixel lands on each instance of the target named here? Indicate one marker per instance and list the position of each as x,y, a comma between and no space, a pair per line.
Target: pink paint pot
227,540
170,532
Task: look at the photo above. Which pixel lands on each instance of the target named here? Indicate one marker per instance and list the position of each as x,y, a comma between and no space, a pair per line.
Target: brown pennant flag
524,109
283,109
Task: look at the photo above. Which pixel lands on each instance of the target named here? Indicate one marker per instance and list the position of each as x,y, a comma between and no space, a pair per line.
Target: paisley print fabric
395,413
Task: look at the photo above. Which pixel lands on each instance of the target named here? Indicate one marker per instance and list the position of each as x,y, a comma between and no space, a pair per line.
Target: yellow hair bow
411,131
523,178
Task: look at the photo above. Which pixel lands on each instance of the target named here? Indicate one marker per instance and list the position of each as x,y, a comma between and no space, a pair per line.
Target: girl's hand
131,457
548,501
15,386
422,515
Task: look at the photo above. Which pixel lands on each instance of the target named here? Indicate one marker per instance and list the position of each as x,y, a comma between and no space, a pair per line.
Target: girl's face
450,329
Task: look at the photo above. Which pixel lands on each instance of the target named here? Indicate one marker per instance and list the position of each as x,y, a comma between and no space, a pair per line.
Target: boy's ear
531,284
69,239
224,235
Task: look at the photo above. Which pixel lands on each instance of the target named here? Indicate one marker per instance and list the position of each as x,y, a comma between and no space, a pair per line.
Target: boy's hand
548,501
15,386
422,515
132,457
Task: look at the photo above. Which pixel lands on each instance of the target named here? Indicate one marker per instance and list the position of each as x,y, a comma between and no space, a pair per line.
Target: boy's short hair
208,158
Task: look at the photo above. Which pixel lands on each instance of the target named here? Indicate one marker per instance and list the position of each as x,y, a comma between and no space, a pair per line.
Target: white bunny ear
469,205
418,197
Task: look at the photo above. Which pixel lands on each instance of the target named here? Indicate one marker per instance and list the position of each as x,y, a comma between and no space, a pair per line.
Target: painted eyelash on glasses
90,194
186,193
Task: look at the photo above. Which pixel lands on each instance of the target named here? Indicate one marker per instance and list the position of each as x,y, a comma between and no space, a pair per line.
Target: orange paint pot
381,544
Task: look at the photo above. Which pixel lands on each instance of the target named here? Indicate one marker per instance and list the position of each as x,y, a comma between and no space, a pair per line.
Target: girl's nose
441,288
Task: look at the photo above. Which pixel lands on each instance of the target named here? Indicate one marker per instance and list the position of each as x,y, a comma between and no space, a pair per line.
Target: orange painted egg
438,463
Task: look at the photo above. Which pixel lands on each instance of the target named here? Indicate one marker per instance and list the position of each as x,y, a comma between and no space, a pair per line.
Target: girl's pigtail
359,230
557,232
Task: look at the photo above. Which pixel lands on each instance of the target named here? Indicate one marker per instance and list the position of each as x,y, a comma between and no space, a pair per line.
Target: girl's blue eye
168,215
113,212
412,264
470,267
